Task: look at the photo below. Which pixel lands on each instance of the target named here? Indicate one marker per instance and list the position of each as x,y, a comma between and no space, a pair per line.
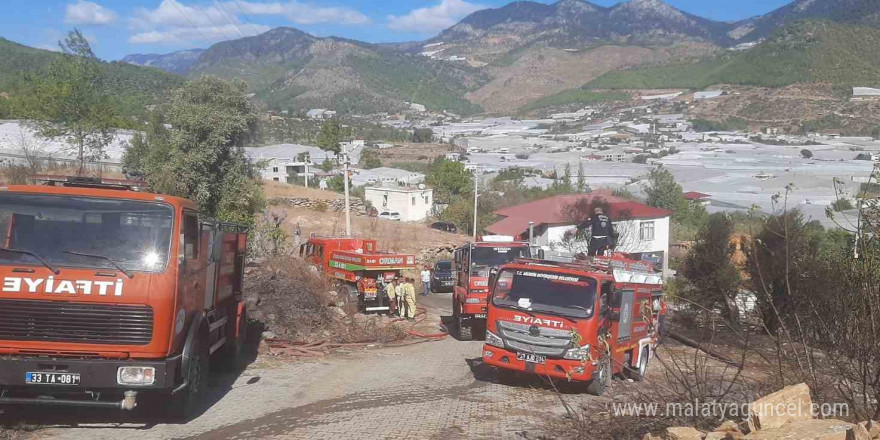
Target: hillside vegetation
810,51
292,70
132,88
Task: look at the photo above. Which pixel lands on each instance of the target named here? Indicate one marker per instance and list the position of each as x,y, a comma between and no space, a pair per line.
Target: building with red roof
643,229
698,197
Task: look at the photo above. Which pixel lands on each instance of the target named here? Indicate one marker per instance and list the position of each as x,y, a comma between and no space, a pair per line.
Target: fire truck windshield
483,258
66,231
560,294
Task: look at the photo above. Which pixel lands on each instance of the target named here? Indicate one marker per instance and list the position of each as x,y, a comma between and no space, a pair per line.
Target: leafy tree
370,160
332,135
663,192
422,135
842,204
201,156
806,154
582,179
327,165
71,101
784,259
449,179
712,279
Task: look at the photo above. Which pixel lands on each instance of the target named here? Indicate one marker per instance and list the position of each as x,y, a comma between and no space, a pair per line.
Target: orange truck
358,268
582,321
474,262
110,294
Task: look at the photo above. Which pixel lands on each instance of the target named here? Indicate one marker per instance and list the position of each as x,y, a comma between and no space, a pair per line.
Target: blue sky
120,27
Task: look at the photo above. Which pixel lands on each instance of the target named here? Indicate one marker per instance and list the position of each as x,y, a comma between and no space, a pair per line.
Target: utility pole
476,194
345,184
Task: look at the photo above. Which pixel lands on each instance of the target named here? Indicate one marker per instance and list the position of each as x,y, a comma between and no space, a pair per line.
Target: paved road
430,390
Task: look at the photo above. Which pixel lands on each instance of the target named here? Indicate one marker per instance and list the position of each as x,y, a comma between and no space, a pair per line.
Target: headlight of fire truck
136,375
494,340
578,354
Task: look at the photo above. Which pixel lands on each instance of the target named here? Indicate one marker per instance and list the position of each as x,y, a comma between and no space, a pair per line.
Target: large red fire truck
109,294
358,267
473,264
582,321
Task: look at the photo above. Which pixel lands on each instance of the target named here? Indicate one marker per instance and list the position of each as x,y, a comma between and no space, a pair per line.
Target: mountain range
508,58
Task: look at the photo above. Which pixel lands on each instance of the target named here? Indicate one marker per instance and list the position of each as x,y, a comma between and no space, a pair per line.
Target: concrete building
293,162
413,204
644,230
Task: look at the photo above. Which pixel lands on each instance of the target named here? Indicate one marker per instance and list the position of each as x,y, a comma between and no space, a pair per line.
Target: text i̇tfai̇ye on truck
110,295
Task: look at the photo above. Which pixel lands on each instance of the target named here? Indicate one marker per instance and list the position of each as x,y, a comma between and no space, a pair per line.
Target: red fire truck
583,321
358,267
109,294
473,264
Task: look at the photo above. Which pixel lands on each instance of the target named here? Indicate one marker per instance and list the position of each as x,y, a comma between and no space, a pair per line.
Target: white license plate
447,283
370,295
480,315
533,358
52,378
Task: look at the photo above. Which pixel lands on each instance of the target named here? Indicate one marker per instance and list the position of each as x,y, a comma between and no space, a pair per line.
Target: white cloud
302,13
199,33
85,12
433,19
173,22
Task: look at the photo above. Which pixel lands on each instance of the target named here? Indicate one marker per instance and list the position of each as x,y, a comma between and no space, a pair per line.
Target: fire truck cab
582,321
473,265
359,269
109,294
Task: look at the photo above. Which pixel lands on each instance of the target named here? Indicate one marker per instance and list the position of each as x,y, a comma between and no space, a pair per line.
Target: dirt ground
430,390
410,152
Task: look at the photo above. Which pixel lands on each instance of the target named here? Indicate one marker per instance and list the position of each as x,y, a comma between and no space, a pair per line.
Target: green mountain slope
292,70
133,88
809,51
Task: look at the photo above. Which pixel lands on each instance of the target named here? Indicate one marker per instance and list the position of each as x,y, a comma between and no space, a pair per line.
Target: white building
293,162
320,113
865,93
413,204
643,230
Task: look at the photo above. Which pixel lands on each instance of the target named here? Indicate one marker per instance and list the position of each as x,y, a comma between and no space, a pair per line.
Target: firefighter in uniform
409,297
391,293
601,232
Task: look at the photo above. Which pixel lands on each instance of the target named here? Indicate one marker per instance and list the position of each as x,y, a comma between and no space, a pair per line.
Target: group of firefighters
401,293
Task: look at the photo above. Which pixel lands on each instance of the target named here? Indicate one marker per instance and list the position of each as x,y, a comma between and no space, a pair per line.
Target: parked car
445,227
442,277
390,215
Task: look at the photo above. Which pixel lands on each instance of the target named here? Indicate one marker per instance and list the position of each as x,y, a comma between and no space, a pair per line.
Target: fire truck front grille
85,323
549,342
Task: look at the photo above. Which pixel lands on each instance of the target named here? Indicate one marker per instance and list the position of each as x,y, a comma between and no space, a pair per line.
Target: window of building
414,200
276,179
274,169
646,231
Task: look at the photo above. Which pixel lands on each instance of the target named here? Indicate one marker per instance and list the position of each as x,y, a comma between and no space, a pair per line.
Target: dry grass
392,236
410,152
277,189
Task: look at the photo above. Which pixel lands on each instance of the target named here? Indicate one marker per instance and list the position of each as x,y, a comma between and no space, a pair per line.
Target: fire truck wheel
638,374
184,404
465,331
602,379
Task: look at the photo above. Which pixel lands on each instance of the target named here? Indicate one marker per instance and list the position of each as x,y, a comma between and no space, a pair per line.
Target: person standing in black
601,232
